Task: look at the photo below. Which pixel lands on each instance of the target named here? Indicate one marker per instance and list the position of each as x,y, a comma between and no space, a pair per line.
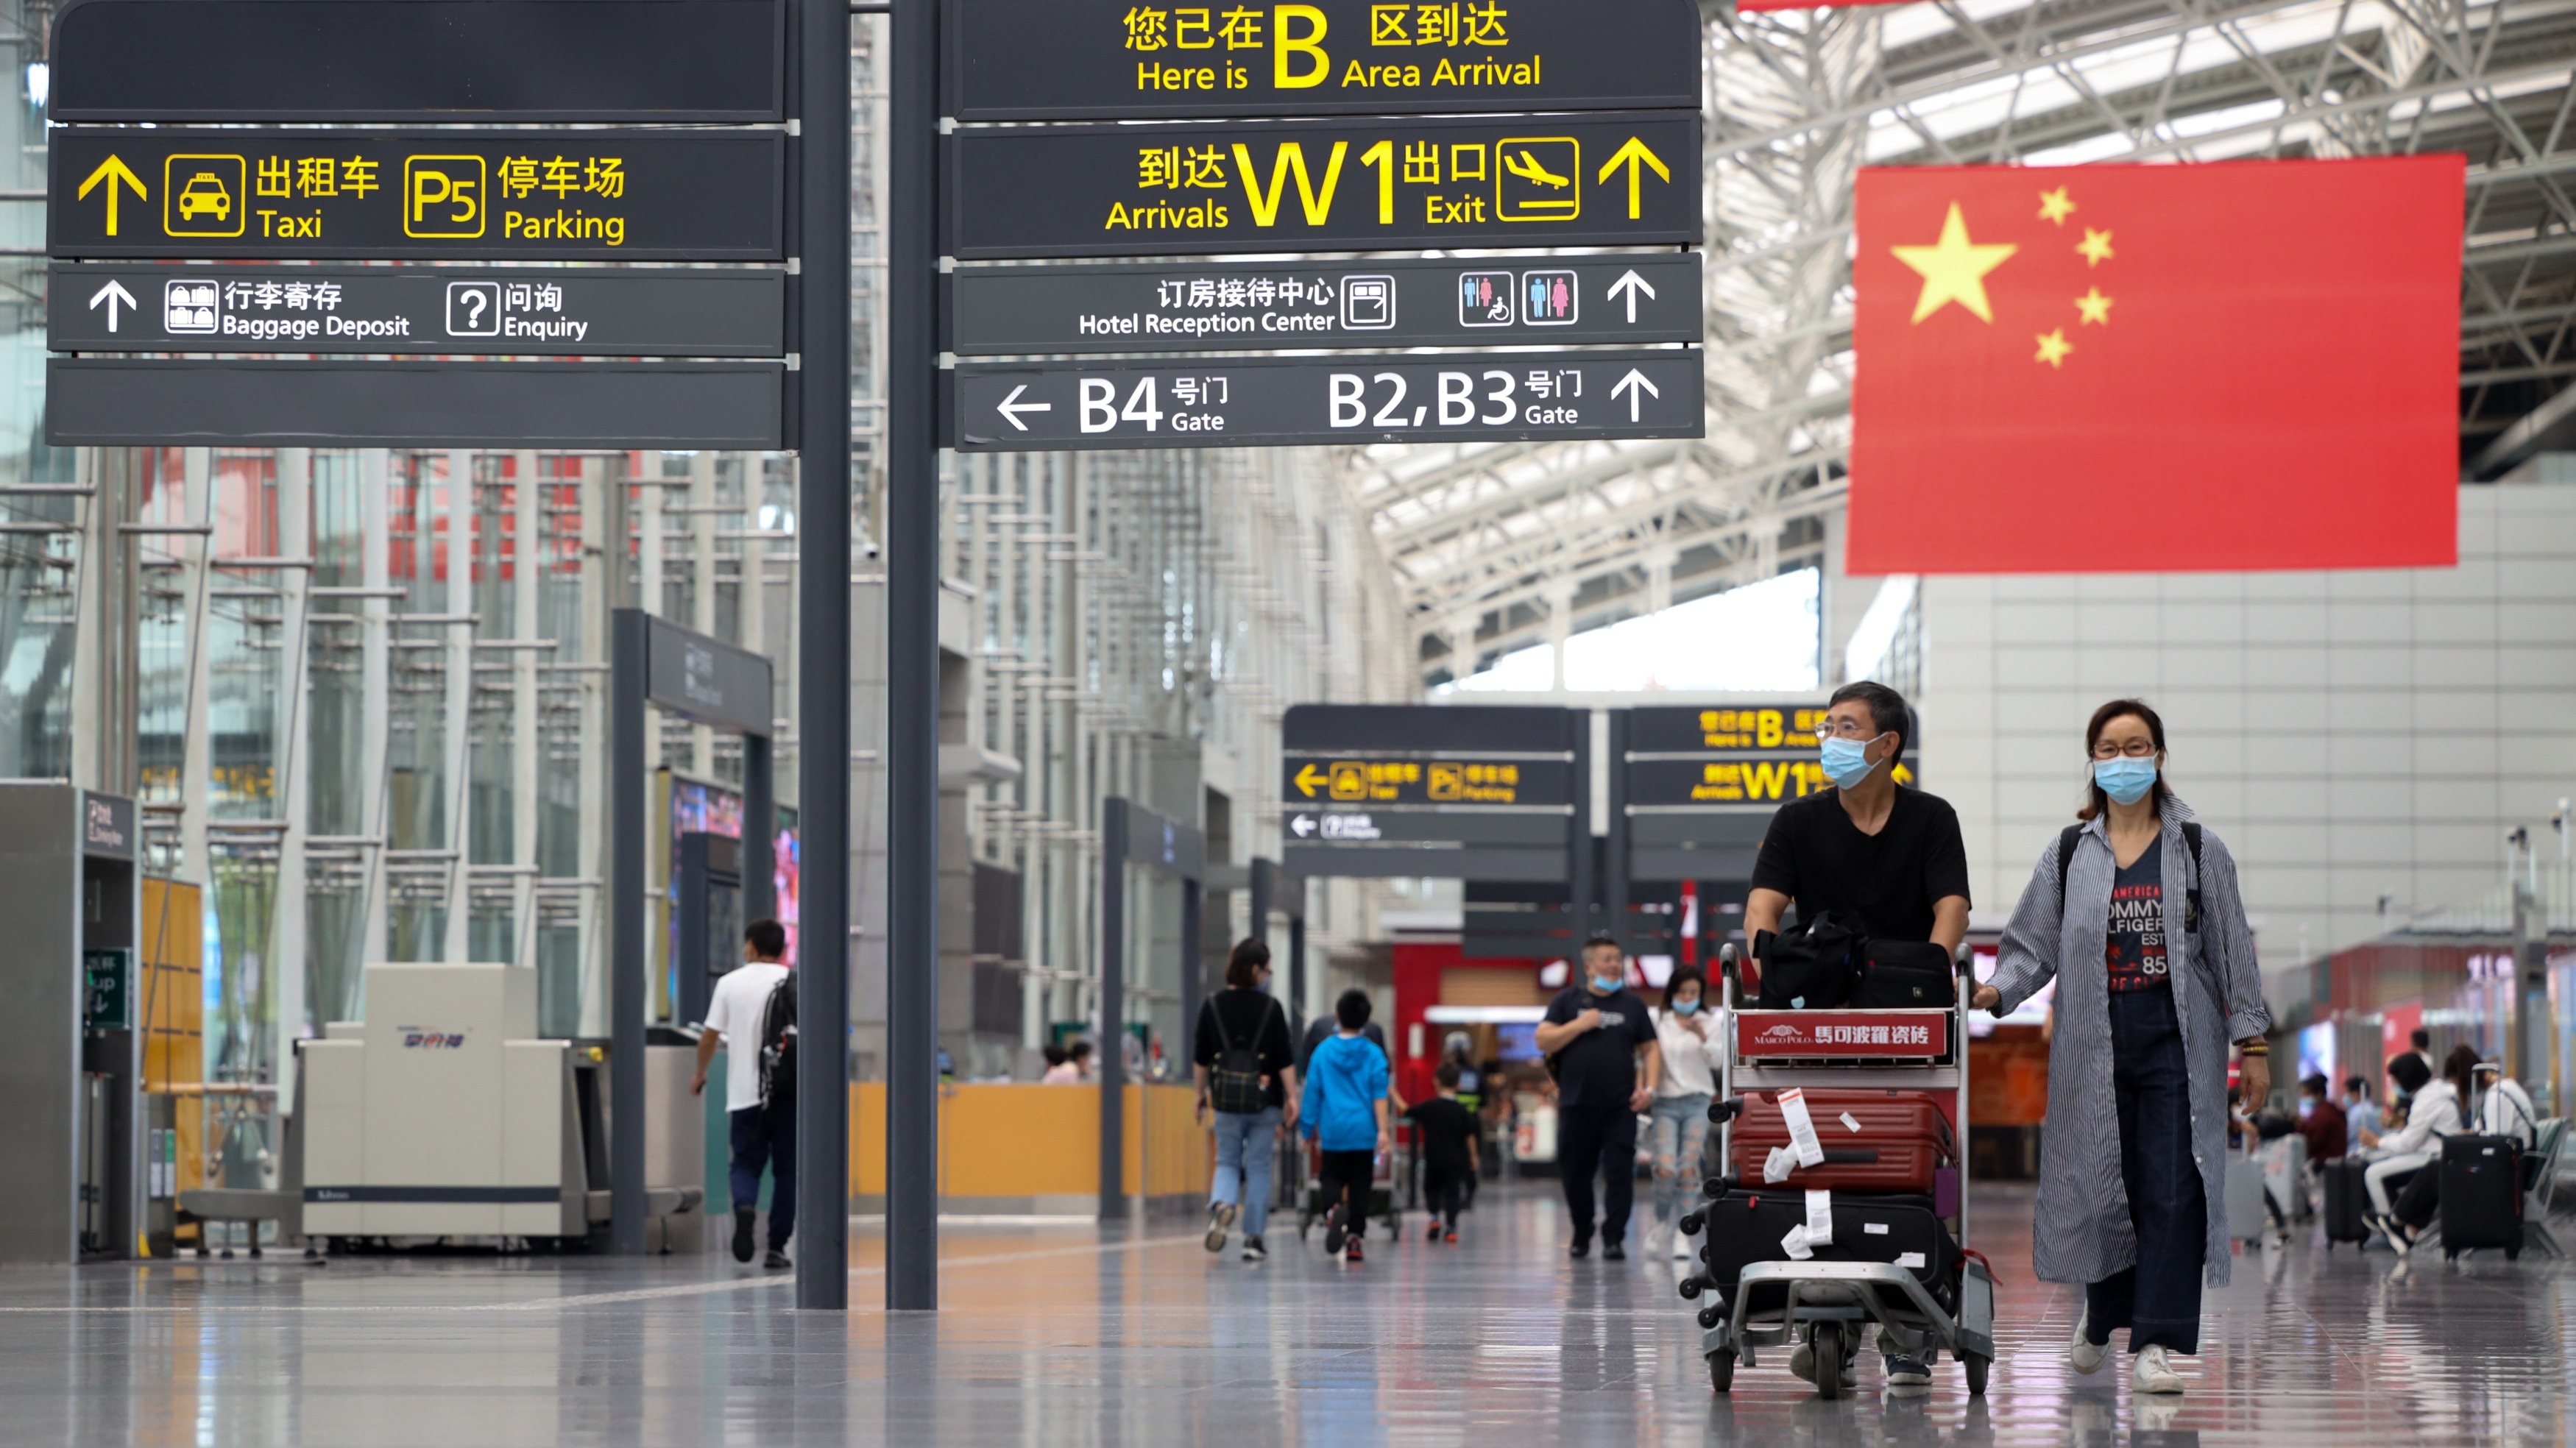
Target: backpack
1814,967
2067,837
778,1046
1234,1083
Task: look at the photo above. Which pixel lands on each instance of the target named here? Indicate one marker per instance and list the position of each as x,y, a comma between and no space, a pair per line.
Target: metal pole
1264,886
912,658
1193,963
1112,1052
823,655
759,830
1615,886
1579,871
626,827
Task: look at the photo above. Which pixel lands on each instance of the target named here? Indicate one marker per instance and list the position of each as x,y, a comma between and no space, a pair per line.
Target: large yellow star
1954,269
2053,348
2093,307
2054,206
2096,247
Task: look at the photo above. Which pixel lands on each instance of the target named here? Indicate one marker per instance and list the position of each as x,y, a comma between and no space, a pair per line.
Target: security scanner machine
72,1076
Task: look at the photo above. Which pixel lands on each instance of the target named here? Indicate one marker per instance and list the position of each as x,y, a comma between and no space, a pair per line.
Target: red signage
1913,1035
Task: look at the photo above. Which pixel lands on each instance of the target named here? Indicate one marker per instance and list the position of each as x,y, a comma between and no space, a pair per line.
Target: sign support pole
1112,1049
912,655
626,985
823,647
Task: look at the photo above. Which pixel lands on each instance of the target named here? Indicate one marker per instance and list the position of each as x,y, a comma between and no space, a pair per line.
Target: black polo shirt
1816,856
1600,1066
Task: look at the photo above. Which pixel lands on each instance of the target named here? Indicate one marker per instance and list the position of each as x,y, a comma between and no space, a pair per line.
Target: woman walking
1689,1042
2135,913
1245,1065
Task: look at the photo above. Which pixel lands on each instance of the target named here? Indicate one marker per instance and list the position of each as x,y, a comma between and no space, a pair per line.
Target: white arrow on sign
112,294
1302,825
1629,283
1011,407
1629,384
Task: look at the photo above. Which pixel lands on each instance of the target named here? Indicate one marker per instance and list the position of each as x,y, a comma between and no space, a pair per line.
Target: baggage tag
1802,1130
1795,1244
1820,1215
1777,1166
1851,1123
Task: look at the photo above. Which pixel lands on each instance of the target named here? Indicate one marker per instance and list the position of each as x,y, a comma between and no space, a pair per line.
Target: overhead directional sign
1027,60
529,311
1255,306
1380,790
596,194
134,402
1753,754
1287,401
284,61
1606,179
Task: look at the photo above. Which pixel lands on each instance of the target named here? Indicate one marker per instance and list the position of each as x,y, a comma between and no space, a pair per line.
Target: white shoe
2083,1352
1681,1244
2154,1373
1659,1241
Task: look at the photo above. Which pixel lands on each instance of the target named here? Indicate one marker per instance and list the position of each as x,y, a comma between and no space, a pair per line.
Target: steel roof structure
1500,545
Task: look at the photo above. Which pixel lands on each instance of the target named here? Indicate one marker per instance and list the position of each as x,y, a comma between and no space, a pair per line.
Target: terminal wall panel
40,989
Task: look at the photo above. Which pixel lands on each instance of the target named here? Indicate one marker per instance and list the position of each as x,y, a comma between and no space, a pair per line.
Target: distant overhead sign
1605,179
1397,776
1284,401
1757,755
1258,306
570,194
530,311
707,679
1023,60
419,60
1388,791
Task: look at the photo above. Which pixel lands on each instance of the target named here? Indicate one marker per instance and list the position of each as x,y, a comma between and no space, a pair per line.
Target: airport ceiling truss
1496,545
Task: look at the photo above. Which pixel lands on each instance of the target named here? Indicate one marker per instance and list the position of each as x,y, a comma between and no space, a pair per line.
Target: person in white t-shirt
763,1134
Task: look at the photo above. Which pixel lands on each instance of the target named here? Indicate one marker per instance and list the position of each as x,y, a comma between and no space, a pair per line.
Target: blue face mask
2125,779
1686,1008
1846,761
1606,983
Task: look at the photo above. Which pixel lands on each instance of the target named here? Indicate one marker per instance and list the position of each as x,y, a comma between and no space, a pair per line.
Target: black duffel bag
1812,967
1899,973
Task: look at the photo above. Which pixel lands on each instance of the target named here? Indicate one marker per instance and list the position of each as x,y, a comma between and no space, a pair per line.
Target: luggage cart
1831,1303
1386,1204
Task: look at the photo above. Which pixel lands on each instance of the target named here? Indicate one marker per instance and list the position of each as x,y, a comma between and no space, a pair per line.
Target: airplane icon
1525,166
1535,176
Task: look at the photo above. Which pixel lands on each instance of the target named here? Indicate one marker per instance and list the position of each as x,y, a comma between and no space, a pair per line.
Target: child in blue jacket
1343,1112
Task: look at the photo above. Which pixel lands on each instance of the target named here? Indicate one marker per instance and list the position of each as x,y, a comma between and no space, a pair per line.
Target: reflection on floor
1053,1334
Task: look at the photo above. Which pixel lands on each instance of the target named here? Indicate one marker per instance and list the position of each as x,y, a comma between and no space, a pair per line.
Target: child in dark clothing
1448,1137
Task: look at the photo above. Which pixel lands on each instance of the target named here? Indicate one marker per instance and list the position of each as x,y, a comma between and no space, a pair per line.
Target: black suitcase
2481,1194
1746,1226
2347,1200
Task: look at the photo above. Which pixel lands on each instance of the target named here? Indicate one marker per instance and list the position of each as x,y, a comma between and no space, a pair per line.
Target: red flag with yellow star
2246,365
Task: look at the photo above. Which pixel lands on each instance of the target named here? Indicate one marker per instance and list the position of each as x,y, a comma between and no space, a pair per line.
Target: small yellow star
2094,307
2055,207
2096,247
1954,268
2053,348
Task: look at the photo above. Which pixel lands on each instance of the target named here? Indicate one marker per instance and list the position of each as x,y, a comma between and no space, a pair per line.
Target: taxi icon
204,195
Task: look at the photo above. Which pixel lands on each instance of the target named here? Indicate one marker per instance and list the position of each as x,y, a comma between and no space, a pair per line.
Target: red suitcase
1902,1137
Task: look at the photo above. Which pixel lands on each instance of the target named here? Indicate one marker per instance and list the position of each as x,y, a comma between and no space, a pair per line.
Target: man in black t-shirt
1884,855
1599,1031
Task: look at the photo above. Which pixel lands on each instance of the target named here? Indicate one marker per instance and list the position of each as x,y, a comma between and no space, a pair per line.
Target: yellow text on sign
443,196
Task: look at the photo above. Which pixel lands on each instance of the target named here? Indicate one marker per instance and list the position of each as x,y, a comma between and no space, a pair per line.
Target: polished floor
1053,1334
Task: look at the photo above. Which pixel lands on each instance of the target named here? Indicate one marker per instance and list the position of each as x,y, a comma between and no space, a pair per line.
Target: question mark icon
474,304
467,304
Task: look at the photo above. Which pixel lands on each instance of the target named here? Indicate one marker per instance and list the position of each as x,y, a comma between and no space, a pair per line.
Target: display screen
1517,1040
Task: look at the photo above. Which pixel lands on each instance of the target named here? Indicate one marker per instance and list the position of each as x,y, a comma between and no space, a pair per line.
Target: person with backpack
1869,857
2135,913
1246,1068
752,1018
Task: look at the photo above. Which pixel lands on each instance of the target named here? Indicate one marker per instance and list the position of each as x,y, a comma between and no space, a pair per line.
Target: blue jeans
1244,1151
1681,1130
2157,1300
766,1138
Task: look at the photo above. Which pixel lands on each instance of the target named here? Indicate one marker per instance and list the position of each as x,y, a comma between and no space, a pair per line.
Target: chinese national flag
2096,369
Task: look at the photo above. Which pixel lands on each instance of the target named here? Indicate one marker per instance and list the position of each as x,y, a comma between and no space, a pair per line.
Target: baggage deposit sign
1026,60
1609,179
599,194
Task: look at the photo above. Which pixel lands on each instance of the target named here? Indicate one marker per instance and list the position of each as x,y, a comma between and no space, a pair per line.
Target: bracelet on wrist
2253,1052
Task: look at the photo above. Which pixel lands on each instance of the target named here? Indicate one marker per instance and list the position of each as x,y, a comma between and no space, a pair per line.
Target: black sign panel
597,194
1610,179
528,311
1251,306
126,402
1462,729
1290,402
419,60
1352,825
1028,60
1397,776
707,679
1754,754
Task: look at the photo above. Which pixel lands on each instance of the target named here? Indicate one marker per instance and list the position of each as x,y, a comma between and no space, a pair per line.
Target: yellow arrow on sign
1633,155
1307,779
112,170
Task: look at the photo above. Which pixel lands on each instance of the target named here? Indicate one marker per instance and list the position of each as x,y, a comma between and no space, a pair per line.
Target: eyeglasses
1845,729
2135,749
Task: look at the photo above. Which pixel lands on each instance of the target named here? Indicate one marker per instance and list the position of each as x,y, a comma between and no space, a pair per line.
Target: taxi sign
1031,60
1382,779
1607,179
609,195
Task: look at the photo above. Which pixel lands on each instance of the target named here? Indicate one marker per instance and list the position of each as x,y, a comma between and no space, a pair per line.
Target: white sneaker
1682,1245
2155,1372
1659,1241
2087,1356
